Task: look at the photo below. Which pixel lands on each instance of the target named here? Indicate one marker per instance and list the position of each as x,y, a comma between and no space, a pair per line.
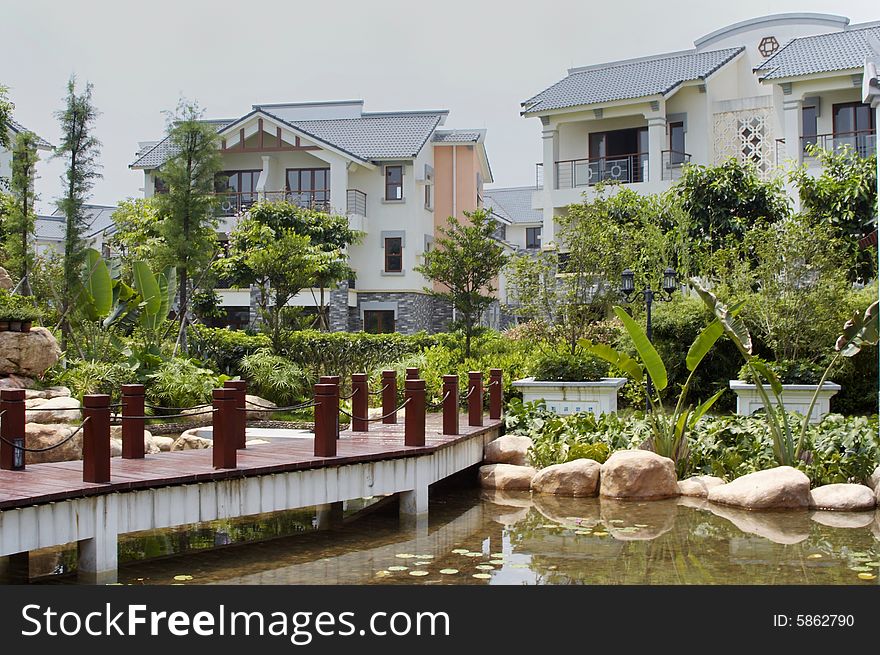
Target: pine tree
80,149
6,108
188,226
20,223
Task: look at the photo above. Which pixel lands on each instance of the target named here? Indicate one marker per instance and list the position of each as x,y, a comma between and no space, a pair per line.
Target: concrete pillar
264,178
97,557
415,501
338,186
656,145
550,138
792,118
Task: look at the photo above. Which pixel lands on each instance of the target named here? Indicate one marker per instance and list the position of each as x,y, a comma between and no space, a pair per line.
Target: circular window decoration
616,171
768,46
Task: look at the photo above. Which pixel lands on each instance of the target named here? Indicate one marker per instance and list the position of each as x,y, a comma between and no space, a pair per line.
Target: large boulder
253,404
5,280
55,410
874,480
20,382
40,435
782,487
639,474
577,478
28,353
162,443
506,477
47,393
509,449
190,440
698,486
843,497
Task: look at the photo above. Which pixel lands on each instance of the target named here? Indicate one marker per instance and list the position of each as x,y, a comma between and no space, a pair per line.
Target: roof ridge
662,56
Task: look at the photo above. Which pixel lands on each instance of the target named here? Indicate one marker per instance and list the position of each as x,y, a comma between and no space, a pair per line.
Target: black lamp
670,280
628,281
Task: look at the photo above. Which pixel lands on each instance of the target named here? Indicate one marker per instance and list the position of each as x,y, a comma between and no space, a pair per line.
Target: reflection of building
762,90
395,175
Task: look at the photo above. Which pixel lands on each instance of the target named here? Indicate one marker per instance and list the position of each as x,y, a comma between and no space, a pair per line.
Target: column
264,178
97,557
551,154
791,128
415,501
338,186
656,146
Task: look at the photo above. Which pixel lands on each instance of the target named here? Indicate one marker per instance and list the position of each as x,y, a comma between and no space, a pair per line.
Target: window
809,125
429,204
159,185
618,155
533,237
309,187
393,255
394,183
853,124
238,189
676,142
379,321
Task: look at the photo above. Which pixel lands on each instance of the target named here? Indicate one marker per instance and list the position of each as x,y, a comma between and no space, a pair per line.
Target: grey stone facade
339,310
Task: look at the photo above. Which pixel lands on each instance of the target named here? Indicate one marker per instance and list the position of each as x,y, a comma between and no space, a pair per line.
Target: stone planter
796,398
563,398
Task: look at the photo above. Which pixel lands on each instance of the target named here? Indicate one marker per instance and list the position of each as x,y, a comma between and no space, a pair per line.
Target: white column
415,501
551,154
656,146
338,185
264,178
98,557
792,118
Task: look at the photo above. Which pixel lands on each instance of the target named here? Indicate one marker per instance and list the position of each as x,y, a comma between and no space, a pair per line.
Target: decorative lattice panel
746,135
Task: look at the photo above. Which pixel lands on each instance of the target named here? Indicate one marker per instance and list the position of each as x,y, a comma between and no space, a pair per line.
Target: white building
14,129
395,175
759,90
99,226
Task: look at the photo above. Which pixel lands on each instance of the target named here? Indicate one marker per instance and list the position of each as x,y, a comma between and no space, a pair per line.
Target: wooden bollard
224,424
133,421
96,438
389,397
326,419
240,388
475,398
412,373
360,403
450,404
12,458
329,379
414,421
496,393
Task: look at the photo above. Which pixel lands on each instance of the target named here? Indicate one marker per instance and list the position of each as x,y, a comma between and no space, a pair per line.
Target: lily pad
615,520
641,525
183,577
865,569
405,555
425,556
421,563
550,526
600,533
482,576
814,556
874,564
496,562
473,554
418,573
497,555
583,532
867,576
460,551
448,571
383,574
485,567
398,568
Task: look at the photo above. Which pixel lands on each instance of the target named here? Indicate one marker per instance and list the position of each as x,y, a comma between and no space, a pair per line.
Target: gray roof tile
629,79
513,204
154,154
821,53
456,136
98,219
17,128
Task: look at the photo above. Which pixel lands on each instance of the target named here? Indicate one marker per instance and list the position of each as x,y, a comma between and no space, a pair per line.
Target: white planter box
796,398
572,397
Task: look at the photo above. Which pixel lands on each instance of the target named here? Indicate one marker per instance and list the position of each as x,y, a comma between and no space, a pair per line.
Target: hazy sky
479,59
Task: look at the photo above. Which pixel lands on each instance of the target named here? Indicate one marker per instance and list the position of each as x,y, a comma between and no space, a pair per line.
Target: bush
563,367
84,377
223,348
18,308
788,371
181,382
274,378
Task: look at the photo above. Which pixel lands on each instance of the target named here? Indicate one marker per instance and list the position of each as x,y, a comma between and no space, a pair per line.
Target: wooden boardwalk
44,483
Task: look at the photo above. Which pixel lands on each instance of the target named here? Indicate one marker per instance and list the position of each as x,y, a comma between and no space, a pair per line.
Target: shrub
223,348
563,367
18,308
182,382
274,378
788,371
86,377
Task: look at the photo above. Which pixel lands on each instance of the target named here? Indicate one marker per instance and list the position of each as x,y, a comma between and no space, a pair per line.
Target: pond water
475,537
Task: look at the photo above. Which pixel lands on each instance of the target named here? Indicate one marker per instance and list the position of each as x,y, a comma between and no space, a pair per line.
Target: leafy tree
137,236
465,261
843,196
6,108
80,149
188,226
20,222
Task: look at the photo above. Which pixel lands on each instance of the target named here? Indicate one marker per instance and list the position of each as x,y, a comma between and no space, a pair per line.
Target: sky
477,58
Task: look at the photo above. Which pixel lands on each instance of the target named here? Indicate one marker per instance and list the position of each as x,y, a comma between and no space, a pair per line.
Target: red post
412,373
389,396
12,429
329,379
132,424
224,426
360,403
240,388
496,390
326,419
414,421
450,404
96,438
475,398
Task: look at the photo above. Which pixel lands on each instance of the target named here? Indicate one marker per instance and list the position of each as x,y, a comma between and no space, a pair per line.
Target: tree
20,222
188,225
6,108
465,261
80,149
137,236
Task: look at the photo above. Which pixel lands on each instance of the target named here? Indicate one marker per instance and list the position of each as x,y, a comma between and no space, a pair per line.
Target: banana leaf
621,360
98,286
650,358
859,331
733,326
147,285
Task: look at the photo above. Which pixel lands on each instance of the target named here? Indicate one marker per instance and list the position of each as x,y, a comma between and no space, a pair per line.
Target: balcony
863,144
673,162
574,173
232,203
355,202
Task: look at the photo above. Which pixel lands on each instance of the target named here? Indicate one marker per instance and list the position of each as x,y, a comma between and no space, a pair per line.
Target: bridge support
329,516
97,557
15,569
414,502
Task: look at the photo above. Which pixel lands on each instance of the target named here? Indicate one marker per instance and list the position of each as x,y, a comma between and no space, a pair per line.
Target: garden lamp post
648,296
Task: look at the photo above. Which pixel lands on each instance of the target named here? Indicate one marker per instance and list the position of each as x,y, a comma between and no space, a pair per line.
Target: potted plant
569,384
17,314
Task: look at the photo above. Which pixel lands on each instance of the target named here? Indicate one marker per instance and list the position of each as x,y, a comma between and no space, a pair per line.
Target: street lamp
648,296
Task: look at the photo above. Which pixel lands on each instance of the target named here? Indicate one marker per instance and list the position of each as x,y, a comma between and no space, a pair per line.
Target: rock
834,519
253,413
256,442
163,444
190,440
28,353
47,393
631,521
638,474
577,478
699,485
19,382
195,416
115,447
843,497
150,446
519,499
875,526
509,449
694,502
54,410
5,280
782,487
375,412
779,527
569,511
874,480
506,476
41,435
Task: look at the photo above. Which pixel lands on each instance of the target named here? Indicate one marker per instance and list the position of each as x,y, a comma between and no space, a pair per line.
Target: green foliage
138,234
274,377
6,107
224,348
465,261
563,367
182,382
86,377
18,224
788,371
14,307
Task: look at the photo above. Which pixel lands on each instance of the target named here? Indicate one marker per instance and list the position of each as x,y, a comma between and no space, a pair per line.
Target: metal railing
864,144
573,173
356,202
539,176
232,203
673,161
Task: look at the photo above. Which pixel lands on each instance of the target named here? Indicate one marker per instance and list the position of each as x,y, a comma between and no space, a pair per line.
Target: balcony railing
673,164
863,144
232,203
356,202
573,173
539,176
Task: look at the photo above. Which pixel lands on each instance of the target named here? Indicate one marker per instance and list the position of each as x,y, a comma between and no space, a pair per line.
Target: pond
478,537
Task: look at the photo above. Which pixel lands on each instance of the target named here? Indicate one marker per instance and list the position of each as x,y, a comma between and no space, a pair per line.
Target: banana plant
861,330
670,432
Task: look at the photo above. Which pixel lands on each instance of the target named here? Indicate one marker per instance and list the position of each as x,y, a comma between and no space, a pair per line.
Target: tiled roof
154,154
99,218
49,228
18,128
513,204
456,136
624,80
821,53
